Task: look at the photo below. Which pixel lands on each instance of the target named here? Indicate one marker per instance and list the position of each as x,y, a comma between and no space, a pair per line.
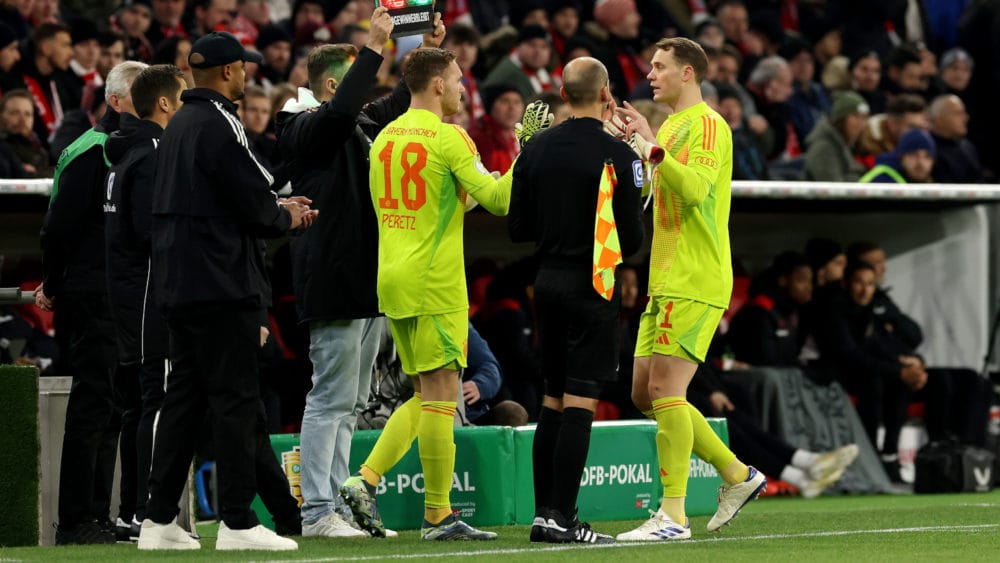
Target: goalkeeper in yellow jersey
690,281
422,174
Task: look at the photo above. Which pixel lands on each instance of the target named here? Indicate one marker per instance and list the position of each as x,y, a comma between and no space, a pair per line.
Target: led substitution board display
411,17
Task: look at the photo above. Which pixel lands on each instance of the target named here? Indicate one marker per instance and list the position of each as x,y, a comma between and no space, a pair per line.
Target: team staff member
336,260
554,202
75,287
128,213
212,203
690,282
423,172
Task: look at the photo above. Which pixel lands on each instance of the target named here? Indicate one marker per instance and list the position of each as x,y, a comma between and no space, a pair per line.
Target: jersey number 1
411,175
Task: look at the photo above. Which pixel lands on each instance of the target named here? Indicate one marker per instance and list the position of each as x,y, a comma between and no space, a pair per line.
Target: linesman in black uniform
212,205
554,202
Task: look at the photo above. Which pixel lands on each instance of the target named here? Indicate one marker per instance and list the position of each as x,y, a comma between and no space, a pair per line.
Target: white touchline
620,545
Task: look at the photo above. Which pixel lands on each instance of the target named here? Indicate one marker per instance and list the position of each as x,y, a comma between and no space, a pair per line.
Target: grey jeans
342,355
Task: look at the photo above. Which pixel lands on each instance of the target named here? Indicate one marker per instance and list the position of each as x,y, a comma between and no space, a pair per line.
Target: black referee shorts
577,331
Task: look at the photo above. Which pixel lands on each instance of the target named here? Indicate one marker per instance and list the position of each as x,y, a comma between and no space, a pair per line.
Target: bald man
554,200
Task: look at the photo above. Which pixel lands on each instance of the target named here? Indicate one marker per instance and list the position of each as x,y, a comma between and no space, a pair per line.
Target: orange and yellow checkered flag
607,249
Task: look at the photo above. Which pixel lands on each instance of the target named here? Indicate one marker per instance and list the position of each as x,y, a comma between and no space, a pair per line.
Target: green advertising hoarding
492,484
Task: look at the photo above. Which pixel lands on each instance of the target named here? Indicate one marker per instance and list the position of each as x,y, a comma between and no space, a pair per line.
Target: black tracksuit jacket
212,205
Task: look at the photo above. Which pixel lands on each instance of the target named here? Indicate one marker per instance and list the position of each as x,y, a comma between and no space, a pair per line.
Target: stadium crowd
813,90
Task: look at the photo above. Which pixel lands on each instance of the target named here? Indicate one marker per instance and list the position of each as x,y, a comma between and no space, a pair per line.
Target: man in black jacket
142,350
554,201
336,261
212,204
74,287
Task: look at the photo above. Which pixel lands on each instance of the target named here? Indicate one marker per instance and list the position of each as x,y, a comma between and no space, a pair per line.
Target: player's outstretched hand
536,118
381,27
436,37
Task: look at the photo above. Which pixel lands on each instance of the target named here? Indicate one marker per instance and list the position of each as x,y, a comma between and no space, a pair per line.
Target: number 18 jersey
421,172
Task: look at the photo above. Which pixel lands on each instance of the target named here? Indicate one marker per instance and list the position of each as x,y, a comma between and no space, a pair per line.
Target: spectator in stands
481,388
494,132
275,45
44,11
765,34
175,50
957,160
528,12
811,472
85,54
902,113
525,67
830,156
809,102
904,72
956,72
827,260
463,40
255,112
824,34
766,331
911,162
749,162
9,52
866,79
727,71
17,117
167,16
616,29
112,47
212,15
735,22
133,21
43,72
770,84
709,33
564,22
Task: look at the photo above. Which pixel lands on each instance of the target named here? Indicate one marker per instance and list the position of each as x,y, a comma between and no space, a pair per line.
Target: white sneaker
659,527
833,462
391,533
331,526
257,537
734,497
165,536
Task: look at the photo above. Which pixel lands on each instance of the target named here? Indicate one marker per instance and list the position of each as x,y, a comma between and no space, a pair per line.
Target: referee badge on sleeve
637,173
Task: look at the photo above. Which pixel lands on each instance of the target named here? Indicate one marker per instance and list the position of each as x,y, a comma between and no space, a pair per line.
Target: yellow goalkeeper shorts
430,342
677,327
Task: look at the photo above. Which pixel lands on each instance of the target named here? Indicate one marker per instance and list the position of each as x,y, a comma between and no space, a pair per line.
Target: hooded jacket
325,149
128,210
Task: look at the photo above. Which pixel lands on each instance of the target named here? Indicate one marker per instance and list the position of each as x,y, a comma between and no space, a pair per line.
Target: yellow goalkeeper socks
396,439
674,438
710,448
436,443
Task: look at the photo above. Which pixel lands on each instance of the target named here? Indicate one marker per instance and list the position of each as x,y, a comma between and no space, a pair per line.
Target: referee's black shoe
559,529
85,533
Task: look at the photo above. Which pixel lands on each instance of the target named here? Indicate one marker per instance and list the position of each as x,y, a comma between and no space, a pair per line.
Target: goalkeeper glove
536,118
648,152
616,127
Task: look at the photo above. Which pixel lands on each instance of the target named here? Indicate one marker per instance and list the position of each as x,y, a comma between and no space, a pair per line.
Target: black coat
72,234
212,204
128,212
325,153
765,332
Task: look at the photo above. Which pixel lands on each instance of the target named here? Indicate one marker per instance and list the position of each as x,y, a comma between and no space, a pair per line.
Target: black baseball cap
220,48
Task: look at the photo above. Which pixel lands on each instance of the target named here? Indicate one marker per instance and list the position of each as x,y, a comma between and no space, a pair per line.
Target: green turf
873,528
19,463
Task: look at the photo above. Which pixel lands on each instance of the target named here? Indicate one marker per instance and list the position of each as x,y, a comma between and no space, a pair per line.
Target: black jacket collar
209,95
